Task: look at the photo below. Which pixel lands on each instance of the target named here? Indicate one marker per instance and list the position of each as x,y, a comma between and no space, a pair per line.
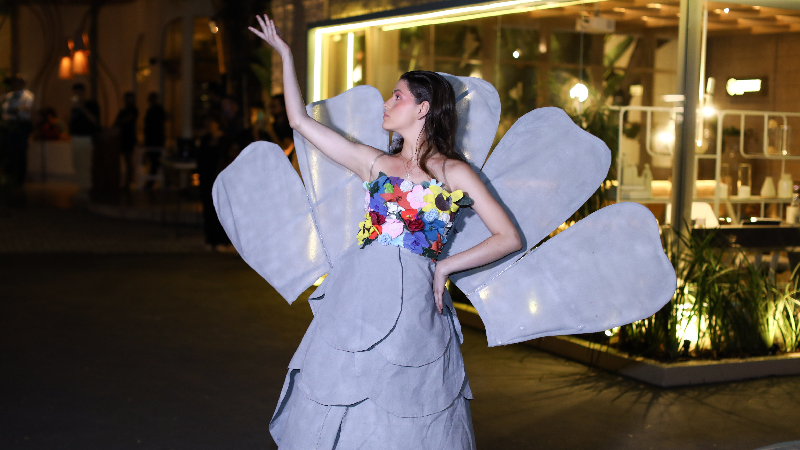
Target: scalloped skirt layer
378,368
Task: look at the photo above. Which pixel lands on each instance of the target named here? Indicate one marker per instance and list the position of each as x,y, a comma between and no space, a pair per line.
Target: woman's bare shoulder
460,175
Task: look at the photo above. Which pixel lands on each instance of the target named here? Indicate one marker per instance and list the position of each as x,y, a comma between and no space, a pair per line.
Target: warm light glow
753,219
666,137
739,87
579,91
726,10
654,5
709,111
65,68
350,39
80,63
429,18
213,26
515,54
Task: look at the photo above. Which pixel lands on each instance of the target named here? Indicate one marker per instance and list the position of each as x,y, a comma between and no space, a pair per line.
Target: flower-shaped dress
379,367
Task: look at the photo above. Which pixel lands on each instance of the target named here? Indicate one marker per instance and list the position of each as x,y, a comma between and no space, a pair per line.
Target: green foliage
728,306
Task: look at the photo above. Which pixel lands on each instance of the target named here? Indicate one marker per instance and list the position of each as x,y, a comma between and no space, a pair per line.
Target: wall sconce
65,66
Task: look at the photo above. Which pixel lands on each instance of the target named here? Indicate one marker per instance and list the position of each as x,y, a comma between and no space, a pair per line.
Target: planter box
647,370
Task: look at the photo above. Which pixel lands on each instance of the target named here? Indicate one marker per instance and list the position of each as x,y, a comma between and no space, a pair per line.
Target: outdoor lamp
579,91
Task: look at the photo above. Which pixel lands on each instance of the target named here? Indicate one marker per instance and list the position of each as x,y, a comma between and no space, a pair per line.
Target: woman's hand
271,35
439,280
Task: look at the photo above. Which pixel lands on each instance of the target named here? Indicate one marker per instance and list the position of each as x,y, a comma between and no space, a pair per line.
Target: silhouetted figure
84,125
214,145
17,106
155,135
126,124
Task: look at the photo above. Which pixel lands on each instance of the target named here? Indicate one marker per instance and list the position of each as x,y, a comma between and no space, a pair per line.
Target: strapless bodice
404,214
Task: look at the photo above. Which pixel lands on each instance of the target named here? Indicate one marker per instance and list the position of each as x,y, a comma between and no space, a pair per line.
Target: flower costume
378,366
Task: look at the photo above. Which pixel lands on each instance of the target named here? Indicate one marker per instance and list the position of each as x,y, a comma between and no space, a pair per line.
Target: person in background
279,131
48,127
126,124
214,146
155,136
84,124
17,106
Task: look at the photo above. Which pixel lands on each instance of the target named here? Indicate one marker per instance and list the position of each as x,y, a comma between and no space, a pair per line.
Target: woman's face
401,111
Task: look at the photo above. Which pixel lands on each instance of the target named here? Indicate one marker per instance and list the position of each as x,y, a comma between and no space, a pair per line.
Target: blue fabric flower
385,239
415,242
434,228
398,241
430,216
381,182
377,204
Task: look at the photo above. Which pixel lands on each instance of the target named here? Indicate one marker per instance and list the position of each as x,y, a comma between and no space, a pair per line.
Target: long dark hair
441,121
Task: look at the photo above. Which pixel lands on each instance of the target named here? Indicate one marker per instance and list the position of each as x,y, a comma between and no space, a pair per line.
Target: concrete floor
188,350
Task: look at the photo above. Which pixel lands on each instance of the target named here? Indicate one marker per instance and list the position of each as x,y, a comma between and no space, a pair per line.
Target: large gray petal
607,270
478,107
263,208
543,169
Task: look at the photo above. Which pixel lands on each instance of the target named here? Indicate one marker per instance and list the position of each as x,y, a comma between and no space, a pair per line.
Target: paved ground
124,349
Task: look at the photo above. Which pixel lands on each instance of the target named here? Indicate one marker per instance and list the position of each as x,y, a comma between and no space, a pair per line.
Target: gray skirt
379,367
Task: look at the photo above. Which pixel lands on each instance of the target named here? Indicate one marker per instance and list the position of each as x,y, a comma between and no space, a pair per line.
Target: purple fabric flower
415,242
377,204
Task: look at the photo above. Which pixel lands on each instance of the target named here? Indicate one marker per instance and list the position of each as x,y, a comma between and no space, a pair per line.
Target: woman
373,372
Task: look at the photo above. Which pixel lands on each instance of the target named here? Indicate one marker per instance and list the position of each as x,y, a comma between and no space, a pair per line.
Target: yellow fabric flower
365,230
441,200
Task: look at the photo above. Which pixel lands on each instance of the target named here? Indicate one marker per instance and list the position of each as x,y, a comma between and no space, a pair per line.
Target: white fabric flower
406,185
393,208
444,217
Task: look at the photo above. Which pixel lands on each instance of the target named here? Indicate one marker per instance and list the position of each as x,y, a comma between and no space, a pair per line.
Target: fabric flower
434,183
366,231
444,217
416,198
415,242
409,214
393,227
388,188
377,204
415,225
406,185
433,229
437,244
441,199
398,241
384,238
376,218
431,215
394,208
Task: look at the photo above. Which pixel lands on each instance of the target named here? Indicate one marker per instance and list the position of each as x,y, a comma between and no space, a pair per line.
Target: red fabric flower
374,234
437,244
415,225
395,196
377,219
409,214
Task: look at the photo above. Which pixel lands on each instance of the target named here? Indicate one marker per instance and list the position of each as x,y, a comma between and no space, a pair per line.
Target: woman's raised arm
355,157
